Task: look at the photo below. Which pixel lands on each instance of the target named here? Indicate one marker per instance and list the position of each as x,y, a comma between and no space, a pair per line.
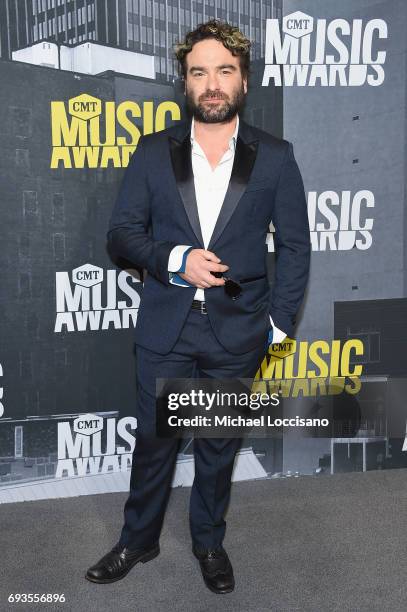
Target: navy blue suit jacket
156,210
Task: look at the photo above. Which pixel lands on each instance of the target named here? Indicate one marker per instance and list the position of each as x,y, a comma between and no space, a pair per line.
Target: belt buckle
203,308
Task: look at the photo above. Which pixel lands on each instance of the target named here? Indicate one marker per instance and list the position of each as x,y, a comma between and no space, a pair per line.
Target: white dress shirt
210,190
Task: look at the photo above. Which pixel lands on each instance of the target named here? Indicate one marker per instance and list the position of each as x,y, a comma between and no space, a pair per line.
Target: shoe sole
219,591
144,559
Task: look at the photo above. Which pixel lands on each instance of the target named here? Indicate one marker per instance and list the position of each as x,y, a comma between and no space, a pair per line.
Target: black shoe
216,569
117,563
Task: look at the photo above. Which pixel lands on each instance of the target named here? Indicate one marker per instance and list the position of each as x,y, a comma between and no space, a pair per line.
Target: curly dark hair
230,37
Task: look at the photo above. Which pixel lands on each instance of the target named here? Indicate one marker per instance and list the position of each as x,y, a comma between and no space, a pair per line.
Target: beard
222,113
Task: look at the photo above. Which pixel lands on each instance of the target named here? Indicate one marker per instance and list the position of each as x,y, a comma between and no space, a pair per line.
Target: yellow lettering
61,154
162,110
319,345
134,110
63,133
110,153
90,154
357,346
110,127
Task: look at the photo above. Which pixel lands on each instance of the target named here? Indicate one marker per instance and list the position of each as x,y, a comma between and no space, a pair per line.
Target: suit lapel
245,156
182,165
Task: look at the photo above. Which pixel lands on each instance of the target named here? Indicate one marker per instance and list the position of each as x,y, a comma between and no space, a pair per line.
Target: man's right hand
199,265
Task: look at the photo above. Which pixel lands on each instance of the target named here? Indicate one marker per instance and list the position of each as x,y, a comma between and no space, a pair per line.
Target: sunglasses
234,289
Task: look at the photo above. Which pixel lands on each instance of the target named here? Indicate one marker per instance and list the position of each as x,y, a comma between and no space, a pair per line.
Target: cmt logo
283,349
91,133
308,52
298,24
309,368
96,299
85,107
88,424
87,275
93,445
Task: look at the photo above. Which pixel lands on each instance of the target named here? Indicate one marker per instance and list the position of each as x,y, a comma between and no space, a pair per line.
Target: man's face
214,86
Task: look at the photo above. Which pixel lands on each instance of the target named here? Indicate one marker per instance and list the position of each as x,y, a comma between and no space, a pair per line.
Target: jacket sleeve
292,245
130,233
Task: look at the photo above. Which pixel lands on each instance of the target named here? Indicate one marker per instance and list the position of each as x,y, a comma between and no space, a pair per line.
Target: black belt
201,305
198,305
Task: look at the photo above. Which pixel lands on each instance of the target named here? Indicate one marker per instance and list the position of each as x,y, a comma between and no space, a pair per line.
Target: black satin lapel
182,166
245,156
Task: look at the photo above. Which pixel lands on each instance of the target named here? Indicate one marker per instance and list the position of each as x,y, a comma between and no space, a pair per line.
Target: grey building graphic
147,26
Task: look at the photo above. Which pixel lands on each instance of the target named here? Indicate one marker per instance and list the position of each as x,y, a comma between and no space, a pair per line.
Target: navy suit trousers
196,354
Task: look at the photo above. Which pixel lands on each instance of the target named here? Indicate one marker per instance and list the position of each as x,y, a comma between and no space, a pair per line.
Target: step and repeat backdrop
75,98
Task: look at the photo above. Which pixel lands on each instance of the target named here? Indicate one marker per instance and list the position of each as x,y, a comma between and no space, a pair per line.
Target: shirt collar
232,141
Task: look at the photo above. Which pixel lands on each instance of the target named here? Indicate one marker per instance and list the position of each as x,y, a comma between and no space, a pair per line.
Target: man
193,210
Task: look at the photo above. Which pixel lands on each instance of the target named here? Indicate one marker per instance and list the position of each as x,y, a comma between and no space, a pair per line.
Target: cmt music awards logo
307,369
338,221
88,445
84,130
327,53
89,300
